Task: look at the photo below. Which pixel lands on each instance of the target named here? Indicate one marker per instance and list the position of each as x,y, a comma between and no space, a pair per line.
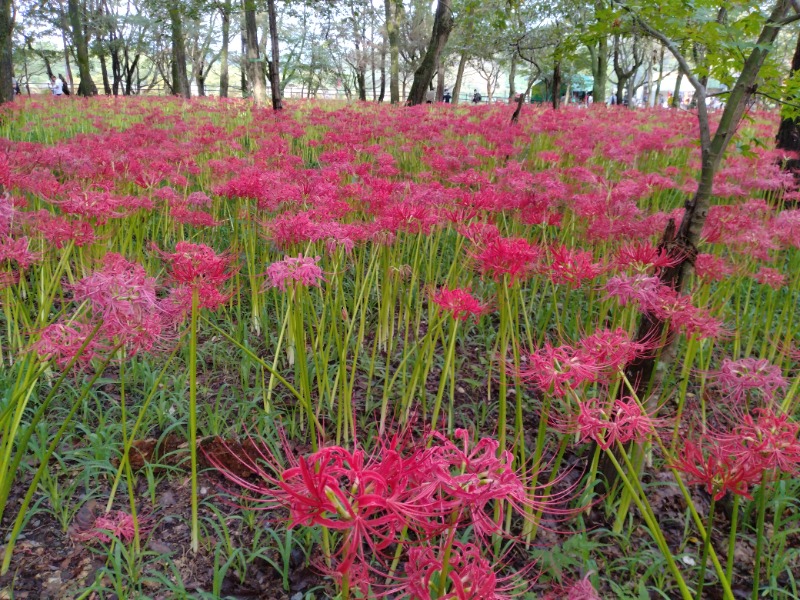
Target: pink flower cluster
302,270
556,369
459,302
764,442
428,492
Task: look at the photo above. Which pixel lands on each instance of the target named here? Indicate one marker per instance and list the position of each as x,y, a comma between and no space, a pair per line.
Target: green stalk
195,542
706,544
762,511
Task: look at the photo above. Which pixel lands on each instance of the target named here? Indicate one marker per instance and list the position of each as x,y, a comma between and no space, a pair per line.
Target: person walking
447,96
476,97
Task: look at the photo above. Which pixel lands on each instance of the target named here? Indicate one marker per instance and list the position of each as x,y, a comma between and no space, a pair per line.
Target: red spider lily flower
712,465
195,218
124,300
555,368
459,302
303,270
17,250
469,575
579,590
711,267
738,378
767,442
771,277
640,288
643,256
198,267
623,421
474,475
572,267
498,257
116,524
62,342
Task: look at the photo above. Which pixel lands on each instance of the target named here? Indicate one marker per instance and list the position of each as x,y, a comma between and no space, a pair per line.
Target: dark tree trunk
243,64
133,70
442,26
382,93
180,78
788,137
86,86
512,75
393,35
104,71
223,53
556,85
6,65
255,67
676,93
440,81
116,67
600,70
462,63
275,78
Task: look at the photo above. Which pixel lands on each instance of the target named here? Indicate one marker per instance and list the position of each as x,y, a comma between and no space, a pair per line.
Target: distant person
613,101
15,86
64,84
56,87
476,97
447,96
430,96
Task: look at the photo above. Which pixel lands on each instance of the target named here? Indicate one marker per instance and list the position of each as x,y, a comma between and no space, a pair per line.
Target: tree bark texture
393,35
462,63
275,79
600,70
180,77
442,26
255,68
223,53
6,65
788,137
86,86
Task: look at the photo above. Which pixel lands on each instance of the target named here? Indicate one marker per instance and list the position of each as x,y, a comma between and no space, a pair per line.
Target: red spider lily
643,256
474,475
303,270
469,575
712,465
572,267
17,250
771,277
640,288
514,257
459,302
711,267
62,342
124,300
621,421
766,442
116,524
737,378
579,590
198,267
557,368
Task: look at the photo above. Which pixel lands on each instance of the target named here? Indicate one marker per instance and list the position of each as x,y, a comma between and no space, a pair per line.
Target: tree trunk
600,70
382,93
243,63
512,75
116,66
104,71
6,64
442,26
87,86
788,137
462,63
393,35
275,79
660,75
223,53
676,94
180,78
440,82
556,85
255,68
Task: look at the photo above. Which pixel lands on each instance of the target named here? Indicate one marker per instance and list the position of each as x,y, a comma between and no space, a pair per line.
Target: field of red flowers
361,351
